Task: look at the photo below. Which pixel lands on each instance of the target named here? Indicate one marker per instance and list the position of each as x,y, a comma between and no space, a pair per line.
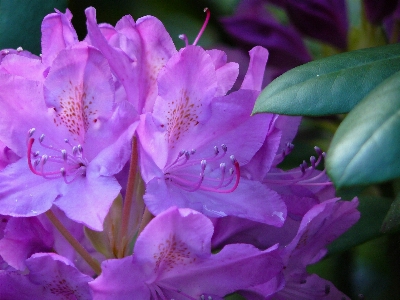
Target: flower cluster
122,150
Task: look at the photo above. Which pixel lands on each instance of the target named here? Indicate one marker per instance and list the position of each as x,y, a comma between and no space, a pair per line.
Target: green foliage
28,16
331,85
366,145
392,219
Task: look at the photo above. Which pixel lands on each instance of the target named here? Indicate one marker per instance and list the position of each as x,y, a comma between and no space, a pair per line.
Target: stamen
182,172
303,176
31,132
216,151
207,11
64,154
65,165
184,38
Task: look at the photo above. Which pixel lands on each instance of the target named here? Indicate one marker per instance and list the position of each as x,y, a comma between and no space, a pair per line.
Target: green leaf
332,85
392,219
20,22
366,146
373,211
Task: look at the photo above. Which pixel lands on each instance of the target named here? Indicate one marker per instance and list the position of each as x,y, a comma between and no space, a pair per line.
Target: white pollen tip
31,132
19,49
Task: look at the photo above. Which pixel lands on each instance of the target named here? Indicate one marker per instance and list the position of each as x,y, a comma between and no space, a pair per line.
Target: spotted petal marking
182,115
76,110
171,253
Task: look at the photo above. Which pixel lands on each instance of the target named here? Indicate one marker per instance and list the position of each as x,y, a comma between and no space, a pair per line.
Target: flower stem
126,210
94,264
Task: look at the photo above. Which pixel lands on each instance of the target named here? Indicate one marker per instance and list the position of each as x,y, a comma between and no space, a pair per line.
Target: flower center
56,163
214,175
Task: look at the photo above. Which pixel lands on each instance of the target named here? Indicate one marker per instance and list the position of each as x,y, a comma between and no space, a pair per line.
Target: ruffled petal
57,34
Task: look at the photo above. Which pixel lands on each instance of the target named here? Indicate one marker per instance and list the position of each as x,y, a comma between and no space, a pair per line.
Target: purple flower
50,276
377,10
136,52
24,237
172,259
302,243
253,25
324,20
63,122
197,139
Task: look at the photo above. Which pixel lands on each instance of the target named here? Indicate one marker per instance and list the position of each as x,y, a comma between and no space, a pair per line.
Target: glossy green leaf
20,22
331,85
392,219
366,146
373,211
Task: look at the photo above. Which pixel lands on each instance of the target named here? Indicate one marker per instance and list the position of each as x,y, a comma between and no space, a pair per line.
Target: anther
187,154
19,49
41,138
216,151
64,154
318,150
312,161
224,148
44,159
193,151
184,38
63,172
80,149
209,298
74,150
202,297
203,164
233,159
31,132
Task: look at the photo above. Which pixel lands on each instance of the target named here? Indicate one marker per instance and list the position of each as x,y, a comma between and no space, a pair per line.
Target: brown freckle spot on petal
181,116
171,253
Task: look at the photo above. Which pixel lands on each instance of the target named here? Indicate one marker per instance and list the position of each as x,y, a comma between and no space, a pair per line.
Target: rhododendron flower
197,138
53,117
172,260
50,277
302,243
136,52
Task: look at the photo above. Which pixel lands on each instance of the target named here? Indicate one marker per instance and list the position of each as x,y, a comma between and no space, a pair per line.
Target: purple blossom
302,243
324,20
191,153
50,277
172,259
136,53
378,10
253,25
52,117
